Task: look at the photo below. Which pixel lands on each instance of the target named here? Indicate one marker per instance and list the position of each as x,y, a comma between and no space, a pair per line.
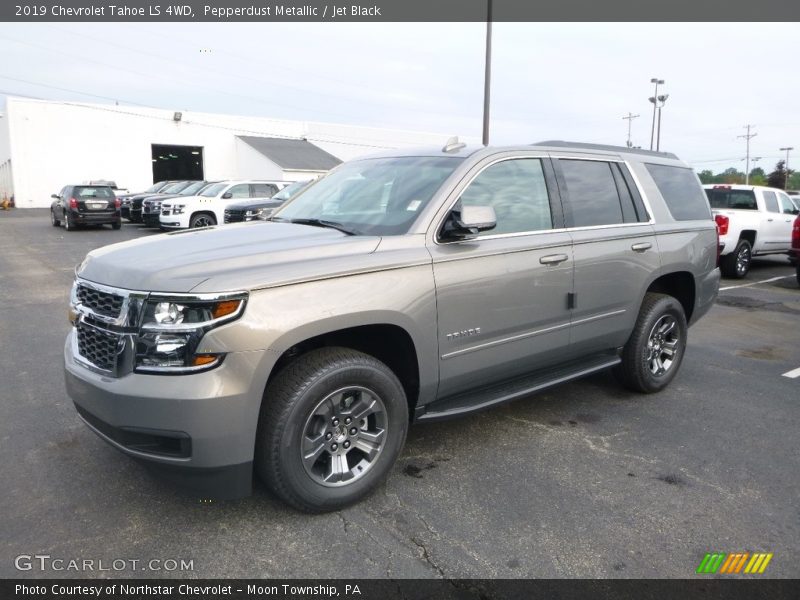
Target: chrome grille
103,303
98,347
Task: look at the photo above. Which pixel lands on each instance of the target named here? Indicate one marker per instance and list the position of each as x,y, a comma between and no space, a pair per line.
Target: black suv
78,205
261,209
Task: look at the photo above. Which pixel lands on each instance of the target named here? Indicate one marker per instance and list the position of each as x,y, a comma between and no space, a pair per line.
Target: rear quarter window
681,191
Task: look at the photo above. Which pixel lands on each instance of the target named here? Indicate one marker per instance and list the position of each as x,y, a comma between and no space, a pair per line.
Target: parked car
251,210
208,207
151,205
409,286
77,205
127,199
170,190
753,221
118,191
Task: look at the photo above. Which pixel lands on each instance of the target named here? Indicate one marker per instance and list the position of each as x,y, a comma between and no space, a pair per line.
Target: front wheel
202,220
654,351
737,263
332,424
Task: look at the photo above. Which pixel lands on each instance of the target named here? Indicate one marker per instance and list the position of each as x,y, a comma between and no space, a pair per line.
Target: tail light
796,234
722,224
117,202
722,229
73,203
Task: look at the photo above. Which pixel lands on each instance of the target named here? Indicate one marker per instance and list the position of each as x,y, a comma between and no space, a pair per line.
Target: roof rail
605,147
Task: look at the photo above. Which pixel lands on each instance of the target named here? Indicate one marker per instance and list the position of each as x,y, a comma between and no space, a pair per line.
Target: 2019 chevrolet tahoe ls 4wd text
411,286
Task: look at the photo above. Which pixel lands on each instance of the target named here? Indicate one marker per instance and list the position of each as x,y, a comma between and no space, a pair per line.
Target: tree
731,175
706,176
777,178
794,181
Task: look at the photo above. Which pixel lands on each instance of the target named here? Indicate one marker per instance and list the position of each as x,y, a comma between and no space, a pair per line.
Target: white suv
208,208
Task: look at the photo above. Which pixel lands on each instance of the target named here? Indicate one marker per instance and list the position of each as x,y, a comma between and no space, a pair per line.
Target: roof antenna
453,145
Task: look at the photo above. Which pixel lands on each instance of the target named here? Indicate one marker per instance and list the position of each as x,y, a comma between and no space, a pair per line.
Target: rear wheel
332,425
116,225
53,221
653,354
69,225
737,263
202,220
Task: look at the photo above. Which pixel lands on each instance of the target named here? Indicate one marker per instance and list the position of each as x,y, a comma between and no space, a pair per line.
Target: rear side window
681,191
93,192
592,196
734,199
264,190
771,200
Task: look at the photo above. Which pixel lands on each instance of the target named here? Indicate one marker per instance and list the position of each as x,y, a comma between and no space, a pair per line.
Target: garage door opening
177,162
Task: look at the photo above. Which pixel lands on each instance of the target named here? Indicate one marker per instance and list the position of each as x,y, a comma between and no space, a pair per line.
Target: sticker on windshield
413,205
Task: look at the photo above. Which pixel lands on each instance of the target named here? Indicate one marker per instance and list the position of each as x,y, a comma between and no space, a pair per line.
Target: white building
45,145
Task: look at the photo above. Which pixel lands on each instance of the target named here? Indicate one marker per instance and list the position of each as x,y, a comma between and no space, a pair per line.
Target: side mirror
467,222
227,195
56,196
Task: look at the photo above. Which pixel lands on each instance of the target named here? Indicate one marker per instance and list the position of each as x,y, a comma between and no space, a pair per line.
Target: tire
202,220
737,264
798,274
68,224
305,410
53,221
647,365
116,225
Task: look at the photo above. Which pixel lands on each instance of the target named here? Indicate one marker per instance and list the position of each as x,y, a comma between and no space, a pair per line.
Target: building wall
56,143
6,185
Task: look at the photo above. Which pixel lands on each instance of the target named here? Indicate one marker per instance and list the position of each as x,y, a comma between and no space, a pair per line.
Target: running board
488,397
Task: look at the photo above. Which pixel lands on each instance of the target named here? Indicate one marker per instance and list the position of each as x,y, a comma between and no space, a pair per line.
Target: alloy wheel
662,345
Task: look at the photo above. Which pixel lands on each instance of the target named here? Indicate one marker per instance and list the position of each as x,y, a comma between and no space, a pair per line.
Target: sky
569,81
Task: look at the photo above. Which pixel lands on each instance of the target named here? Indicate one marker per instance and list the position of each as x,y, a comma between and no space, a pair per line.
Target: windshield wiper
319,223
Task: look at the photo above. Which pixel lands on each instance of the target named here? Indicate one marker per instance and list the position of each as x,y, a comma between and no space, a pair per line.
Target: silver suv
411,286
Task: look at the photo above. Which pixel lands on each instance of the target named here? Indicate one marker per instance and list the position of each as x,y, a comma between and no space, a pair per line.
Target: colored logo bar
735,563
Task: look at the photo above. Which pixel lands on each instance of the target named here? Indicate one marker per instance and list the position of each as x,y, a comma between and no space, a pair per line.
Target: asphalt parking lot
585,480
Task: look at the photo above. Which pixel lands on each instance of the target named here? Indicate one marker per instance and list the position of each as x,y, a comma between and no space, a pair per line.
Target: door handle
770,220
553,259
641,247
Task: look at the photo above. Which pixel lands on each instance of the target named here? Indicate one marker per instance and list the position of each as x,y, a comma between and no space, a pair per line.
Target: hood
233,257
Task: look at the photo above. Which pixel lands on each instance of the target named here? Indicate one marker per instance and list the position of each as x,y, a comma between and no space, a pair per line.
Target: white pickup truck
752,220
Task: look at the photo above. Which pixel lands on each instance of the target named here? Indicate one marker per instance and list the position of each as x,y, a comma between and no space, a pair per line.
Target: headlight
177,209
172,328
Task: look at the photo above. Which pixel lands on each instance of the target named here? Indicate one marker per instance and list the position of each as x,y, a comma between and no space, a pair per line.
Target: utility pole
488,73
658,82
630,119
786,166
747,137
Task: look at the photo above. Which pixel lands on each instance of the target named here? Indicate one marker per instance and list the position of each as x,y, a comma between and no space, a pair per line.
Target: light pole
663,100
487,73
658,82
786,166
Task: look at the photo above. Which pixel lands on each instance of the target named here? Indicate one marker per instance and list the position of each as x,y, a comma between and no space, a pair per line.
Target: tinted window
681,190
264,190
213,190
771,200
592,197
517,192
723,197
93,192
193,188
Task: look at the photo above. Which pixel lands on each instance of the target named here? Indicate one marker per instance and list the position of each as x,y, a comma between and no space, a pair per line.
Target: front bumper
197,429
151,220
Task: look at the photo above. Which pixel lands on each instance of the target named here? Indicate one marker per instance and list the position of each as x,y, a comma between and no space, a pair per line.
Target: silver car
411,286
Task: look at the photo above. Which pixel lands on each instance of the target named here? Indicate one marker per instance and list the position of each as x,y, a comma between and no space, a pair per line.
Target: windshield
191,190
379,196
212,190
291,190
155,187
